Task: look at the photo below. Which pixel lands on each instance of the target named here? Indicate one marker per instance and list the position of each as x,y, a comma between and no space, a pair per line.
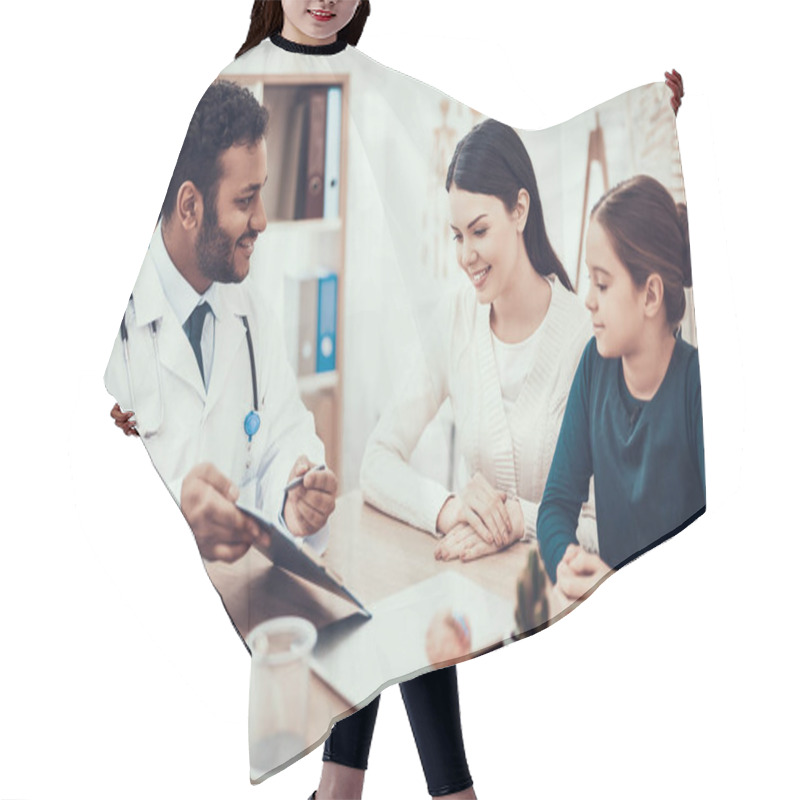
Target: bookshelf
305,199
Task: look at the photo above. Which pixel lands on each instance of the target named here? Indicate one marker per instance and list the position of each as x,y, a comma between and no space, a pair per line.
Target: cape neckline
308,49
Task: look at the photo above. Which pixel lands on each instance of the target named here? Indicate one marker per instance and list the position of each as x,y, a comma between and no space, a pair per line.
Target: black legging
433,711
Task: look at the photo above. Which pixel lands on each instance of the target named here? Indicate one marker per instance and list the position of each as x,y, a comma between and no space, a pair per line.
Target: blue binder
326,323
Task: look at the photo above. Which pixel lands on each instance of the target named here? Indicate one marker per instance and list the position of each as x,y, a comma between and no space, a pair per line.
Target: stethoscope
252,422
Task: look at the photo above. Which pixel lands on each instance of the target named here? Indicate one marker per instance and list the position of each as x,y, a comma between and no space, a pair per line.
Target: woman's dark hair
226,115
266,19
649,232
492,159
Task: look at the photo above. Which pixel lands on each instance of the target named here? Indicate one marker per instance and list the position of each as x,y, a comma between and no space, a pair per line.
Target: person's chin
483,295
319,30
604,348
240,267
236,274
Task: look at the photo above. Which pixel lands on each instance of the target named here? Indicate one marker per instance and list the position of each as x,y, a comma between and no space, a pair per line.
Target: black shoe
313,795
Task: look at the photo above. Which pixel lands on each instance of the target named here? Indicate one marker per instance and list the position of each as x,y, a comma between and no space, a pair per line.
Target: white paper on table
356,655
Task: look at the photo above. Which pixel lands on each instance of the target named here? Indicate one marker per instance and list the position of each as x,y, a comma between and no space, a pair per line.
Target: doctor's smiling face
233,214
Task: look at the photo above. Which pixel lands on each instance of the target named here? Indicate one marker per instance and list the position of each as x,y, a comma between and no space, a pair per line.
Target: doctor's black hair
266,19
492,159
226,115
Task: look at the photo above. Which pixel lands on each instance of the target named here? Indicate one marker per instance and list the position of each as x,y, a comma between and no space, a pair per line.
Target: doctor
199,359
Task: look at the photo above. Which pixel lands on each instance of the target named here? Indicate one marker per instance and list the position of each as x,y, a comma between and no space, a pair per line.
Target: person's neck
293,34
644,369
519,311
182,254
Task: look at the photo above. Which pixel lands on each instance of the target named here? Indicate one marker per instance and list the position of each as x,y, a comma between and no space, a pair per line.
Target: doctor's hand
579,573
308,506
223,532
124,420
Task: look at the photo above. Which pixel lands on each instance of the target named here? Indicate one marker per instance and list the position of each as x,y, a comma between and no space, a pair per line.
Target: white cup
279,680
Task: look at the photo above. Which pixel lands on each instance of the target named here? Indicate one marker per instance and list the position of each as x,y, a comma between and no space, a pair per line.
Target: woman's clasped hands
480,521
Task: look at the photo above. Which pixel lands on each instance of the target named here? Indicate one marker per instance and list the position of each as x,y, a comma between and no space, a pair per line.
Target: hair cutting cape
359,341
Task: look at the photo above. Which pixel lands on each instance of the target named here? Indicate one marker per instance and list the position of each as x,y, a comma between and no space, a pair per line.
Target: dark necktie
194,330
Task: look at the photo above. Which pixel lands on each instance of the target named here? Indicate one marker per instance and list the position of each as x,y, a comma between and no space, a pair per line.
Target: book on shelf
317,135
333,153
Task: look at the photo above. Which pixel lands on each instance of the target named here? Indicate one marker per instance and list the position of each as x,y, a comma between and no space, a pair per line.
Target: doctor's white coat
199,426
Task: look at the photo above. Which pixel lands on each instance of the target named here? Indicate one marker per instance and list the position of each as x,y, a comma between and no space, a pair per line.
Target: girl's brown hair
266,19
649,232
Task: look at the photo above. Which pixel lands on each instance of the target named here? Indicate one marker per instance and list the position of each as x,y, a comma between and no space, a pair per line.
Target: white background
120,675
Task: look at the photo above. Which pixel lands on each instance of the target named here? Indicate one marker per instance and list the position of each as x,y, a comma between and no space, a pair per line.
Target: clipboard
295,556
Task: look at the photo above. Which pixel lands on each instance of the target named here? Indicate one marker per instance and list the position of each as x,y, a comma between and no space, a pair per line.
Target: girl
633,419
314,23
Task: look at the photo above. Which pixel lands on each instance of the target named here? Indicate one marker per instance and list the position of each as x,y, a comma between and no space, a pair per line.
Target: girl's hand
124,420
557,601
579,573
675,82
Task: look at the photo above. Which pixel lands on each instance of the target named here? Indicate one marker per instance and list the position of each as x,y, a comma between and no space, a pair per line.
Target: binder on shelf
291,154
333,153
327,289
310,322
311,197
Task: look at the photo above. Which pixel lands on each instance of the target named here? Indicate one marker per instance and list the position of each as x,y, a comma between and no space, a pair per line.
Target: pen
293,484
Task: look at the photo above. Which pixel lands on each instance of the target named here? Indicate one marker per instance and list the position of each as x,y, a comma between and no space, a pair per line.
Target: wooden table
376,556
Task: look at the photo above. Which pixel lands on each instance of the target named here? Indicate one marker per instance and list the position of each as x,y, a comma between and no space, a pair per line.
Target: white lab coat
200,427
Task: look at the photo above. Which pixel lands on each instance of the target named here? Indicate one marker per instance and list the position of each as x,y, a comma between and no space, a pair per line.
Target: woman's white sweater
512,450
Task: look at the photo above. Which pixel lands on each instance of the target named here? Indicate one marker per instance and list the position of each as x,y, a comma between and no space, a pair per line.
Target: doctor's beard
215,250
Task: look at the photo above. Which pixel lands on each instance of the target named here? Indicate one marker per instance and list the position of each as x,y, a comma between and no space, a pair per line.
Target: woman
504,352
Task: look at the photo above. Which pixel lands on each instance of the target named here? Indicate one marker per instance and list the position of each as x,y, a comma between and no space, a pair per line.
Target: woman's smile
479,278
